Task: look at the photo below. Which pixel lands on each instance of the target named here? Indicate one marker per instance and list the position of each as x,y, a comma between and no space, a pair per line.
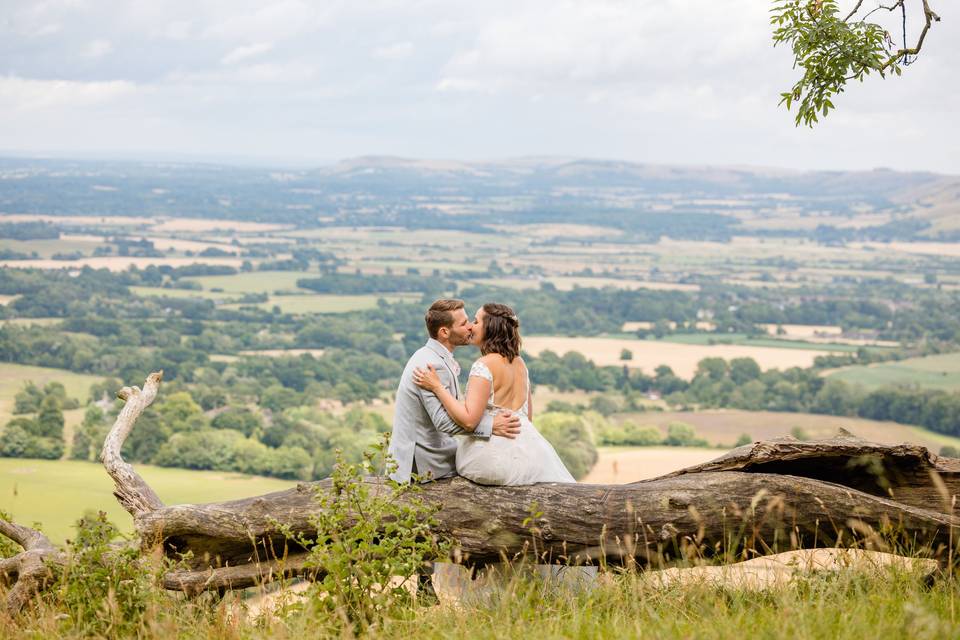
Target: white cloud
47,30
24,94
245,52
176,30
671,80
585,43
273,21
97,48
396,51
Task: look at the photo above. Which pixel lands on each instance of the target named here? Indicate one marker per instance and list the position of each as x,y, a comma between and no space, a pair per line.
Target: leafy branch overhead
833,49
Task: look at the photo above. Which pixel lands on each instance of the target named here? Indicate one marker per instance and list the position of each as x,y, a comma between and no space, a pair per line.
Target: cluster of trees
37,431
295,443
679,434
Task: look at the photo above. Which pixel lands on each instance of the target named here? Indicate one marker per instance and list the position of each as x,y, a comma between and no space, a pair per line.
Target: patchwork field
567,283
682,358
117,263
722,427
933,372
58,492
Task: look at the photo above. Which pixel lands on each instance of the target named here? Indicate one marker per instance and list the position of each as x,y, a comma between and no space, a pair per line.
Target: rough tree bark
755,500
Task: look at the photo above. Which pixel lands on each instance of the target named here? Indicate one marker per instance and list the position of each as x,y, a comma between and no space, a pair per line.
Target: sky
692,82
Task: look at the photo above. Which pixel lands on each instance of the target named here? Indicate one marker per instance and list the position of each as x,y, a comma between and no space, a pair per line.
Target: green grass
931,372
255,281
321,303
824,606
58,492
154,292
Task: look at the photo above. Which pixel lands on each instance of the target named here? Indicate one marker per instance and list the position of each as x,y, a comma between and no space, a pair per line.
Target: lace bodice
480,369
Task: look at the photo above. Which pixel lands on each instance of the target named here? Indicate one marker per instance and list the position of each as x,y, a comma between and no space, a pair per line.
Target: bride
499,381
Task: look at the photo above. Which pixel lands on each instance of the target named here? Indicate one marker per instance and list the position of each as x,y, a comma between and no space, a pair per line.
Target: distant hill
644,199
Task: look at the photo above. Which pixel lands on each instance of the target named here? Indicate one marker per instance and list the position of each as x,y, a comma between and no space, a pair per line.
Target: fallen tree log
756,500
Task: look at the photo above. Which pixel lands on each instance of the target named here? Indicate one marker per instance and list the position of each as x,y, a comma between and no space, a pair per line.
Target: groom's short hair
440,314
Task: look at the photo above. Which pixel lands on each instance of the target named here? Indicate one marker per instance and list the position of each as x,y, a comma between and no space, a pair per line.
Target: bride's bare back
509,381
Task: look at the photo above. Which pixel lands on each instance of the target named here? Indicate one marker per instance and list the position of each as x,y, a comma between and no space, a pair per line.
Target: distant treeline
350,283
29,231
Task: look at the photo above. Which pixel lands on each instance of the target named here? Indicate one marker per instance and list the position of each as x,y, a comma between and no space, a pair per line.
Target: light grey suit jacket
422,430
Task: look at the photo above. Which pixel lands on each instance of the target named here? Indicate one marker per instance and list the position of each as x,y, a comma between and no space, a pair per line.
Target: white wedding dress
526,459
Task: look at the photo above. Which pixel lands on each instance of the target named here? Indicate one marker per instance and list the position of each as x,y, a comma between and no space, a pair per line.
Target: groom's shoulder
421,356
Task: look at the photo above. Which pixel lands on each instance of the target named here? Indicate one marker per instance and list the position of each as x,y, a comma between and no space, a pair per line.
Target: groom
422,441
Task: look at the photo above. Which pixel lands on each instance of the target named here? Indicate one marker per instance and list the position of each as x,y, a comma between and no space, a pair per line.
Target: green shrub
105,589
373,537
570,436
681,434
744,439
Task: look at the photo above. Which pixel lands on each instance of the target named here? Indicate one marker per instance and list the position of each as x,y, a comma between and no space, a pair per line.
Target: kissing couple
487,436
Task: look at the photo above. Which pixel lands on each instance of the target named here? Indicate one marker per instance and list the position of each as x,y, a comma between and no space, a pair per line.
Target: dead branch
131,491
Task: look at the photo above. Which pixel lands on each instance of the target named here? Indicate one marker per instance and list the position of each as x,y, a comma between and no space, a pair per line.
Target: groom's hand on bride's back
506,424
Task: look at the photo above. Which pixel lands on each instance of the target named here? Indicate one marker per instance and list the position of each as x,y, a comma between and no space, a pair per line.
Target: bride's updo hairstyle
501,331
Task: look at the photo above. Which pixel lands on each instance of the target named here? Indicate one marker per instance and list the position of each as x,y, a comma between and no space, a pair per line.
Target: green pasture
932,372
160,292
322,303
14,376
56,493
254,281
46,248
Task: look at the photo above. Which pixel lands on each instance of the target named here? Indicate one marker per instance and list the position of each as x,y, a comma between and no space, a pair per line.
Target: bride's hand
427,379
